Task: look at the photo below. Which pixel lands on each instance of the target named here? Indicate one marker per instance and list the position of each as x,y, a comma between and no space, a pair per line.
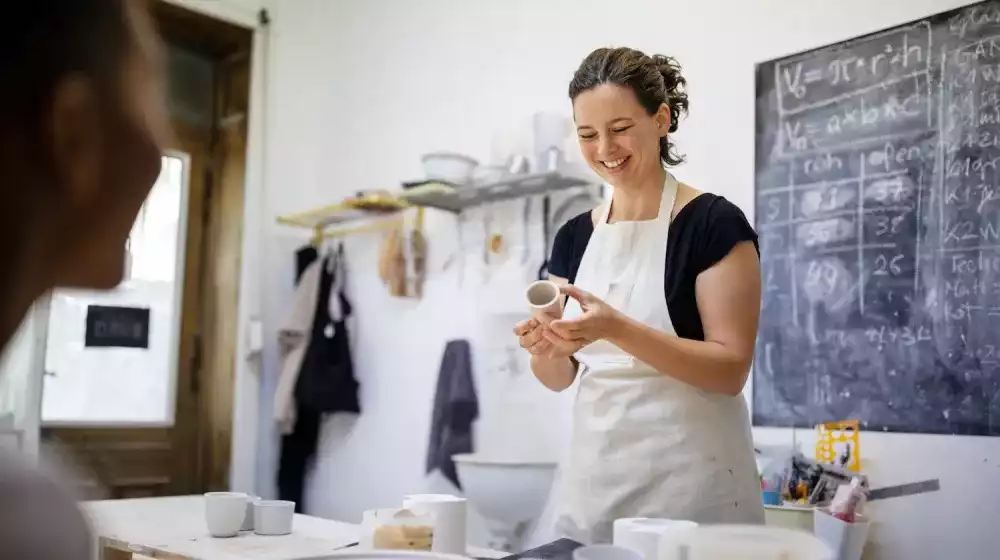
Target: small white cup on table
273,517
225,512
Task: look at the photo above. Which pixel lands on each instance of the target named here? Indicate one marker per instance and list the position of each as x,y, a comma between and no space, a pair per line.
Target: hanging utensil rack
455,199
383,210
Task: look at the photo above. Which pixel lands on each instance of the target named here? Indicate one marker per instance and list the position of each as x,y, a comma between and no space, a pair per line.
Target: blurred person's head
82,117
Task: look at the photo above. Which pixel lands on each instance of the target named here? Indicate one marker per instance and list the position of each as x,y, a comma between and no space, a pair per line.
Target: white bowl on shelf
489,174
450,167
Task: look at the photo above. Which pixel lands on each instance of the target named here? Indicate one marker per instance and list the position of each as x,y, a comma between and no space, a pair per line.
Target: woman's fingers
524,327
579,295
569,330
539,348
539,339
531,337
558,341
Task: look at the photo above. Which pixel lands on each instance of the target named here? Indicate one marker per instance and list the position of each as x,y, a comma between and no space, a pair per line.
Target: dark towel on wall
455,408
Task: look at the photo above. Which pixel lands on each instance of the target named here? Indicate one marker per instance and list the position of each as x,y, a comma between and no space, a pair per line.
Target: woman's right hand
530,337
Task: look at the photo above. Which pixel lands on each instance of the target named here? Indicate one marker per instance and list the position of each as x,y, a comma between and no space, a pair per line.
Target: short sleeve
561,260
725,227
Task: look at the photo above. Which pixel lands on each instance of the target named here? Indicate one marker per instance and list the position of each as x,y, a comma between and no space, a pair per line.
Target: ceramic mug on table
225,512
273,517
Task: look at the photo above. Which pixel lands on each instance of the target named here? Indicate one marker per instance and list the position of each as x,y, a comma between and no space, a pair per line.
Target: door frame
244,475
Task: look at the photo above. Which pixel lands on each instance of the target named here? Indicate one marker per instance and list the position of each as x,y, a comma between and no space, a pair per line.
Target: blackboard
878,209
117,327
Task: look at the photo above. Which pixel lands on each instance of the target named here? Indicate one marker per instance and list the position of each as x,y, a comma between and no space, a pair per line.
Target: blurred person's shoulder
40,518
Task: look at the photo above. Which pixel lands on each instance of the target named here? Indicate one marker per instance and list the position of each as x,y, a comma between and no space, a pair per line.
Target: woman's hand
530,337
537,337
598,321
562,338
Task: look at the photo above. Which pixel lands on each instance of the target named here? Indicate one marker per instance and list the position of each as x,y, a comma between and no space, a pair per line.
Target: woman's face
108,158
618,138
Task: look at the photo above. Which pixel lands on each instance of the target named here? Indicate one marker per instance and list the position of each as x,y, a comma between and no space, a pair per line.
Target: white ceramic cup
543,298
224,513
273,517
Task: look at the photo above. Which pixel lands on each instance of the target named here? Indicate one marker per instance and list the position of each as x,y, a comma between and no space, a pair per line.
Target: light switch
255,334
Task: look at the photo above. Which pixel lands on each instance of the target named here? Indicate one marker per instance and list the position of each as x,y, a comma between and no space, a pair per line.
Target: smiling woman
664,298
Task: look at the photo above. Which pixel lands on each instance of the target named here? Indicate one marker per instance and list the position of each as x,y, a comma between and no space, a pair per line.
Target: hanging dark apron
325,383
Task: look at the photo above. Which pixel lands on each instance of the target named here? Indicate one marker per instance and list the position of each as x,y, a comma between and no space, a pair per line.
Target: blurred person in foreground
82,119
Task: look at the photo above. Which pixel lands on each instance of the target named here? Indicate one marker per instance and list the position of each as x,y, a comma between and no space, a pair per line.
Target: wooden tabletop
174,529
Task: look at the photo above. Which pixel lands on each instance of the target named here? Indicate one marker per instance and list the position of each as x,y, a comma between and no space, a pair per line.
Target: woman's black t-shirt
701,234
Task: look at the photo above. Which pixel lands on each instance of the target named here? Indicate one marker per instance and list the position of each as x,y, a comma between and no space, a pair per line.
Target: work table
174,529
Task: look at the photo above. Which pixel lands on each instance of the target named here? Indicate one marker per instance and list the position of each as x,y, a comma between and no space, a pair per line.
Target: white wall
358,90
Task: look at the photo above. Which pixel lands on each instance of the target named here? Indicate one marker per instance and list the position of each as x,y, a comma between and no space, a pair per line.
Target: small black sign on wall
117,327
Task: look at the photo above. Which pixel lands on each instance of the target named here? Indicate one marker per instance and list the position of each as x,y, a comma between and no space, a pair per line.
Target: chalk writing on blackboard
878,209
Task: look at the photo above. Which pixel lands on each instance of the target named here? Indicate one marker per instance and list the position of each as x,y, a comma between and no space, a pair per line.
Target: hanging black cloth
456,407
326,380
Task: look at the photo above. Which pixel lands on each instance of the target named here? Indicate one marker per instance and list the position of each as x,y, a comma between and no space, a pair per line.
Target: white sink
510,494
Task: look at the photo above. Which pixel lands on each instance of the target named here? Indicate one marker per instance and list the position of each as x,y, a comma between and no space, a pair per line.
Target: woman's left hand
597,321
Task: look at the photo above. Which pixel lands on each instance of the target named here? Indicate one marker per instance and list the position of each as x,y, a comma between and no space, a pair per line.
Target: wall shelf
458,198
354,209
375,208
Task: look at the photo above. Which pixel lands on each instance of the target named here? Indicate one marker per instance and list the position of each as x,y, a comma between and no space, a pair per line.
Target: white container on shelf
451,167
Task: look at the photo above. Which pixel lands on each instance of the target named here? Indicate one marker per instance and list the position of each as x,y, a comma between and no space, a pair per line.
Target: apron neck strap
667,198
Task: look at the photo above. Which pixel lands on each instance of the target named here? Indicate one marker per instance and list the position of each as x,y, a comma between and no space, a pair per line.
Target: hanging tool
418,250
543,271
526,231
392,262
487,234
487,226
